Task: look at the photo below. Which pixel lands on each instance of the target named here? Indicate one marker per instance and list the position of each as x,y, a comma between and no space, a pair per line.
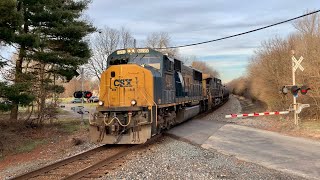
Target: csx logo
122,82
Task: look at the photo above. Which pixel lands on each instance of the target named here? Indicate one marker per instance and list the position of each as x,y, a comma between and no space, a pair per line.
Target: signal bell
284,90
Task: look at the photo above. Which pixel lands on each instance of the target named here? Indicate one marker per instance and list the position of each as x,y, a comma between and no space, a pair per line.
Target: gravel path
173,159
233,106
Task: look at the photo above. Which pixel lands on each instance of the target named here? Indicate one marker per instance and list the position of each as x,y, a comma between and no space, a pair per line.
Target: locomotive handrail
151,106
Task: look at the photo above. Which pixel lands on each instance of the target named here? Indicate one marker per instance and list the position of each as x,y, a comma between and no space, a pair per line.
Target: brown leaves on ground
19,144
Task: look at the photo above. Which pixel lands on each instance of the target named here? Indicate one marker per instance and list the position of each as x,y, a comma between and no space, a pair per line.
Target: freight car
143,92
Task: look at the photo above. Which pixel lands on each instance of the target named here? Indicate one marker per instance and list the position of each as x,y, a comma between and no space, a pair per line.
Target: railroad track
92,164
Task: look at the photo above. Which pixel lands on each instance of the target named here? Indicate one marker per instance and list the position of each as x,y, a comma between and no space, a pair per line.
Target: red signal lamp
87,94
304,90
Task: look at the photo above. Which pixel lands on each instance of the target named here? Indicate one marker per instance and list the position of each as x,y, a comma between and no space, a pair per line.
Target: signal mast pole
82,74
293,84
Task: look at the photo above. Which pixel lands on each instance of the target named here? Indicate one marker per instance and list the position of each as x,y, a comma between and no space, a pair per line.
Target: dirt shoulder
25,149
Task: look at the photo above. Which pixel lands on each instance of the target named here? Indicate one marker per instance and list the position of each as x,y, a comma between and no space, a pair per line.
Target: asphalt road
292,155
87,109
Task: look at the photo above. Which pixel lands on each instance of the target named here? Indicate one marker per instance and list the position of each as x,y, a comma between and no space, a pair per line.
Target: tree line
108,39
51,39
271,68
48,37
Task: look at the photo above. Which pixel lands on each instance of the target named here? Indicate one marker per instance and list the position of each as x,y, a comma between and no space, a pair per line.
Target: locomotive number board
124,51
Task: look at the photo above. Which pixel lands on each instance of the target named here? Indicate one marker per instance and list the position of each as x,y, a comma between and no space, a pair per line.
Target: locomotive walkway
293,155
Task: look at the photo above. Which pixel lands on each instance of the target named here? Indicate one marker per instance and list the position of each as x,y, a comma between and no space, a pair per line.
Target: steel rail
87,170
55,165
111,159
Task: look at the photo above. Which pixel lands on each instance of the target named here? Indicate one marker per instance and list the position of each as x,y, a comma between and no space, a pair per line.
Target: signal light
78,94
295,90
304,90
81,94
87,94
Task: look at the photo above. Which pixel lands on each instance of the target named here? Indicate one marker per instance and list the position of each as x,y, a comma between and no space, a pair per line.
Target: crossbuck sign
297,63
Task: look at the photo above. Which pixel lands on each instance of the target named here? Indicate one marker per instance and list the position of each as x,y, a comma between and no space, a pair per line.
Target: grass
90,104
19,139
311,126
30,145
70,126
65,100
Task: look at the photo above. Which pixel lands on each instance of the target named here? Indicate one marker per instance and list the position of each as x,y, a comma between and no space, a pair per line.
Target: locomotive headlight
100,103
133,102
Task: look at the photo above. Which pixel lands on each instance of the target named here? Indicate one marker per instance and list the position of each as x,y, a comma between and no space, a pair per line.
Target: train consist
143,92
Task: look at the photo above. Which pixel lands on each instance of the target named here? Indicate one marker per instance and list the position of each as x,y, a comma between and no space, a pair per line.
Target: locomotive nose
126,84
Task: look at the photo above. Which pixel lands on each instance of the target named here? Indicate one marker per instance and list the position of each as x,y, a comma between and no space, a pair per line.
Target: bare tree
205,68
195,62
126,39
160,41
3,60
103,44
307,44
270,69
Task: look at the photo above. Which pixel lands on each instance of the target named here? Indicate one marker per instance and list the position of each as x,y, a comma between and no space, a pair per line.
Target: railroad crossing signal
82,94
87,94
297,63
295,90
78,94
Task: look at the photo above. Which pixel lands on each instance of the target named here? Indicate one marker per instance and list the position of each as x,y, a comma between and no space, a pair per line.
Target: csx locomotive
143,92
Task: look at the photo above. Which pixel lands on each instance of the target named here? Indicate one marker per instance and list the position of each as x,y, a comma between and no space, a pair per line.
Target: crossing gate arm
256,114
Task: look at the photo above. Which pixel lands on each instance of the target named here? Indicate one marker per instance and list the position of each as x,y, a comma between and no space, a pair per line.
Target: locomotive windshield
148,60
143,57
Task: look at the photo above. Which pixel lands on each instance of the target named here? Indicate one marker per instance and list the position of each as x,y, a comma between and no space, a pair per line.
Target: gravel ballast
174,159
22,168
233,106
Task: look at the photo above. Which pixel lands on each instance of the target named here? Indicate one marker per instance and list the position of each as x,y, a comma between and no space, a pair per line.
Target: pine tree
49,33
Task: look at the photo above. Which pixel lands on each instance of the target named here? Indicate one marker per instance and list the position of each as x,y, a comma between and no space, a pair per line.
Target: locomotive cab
136,56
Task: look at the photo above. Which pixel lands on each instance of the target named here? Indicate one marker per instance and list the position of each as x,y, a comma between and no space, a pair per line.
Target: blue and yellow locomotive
143,92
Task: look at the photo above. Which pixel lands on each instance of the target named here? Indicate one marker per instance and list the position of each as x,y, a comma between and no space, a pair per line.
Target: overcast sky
202,20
